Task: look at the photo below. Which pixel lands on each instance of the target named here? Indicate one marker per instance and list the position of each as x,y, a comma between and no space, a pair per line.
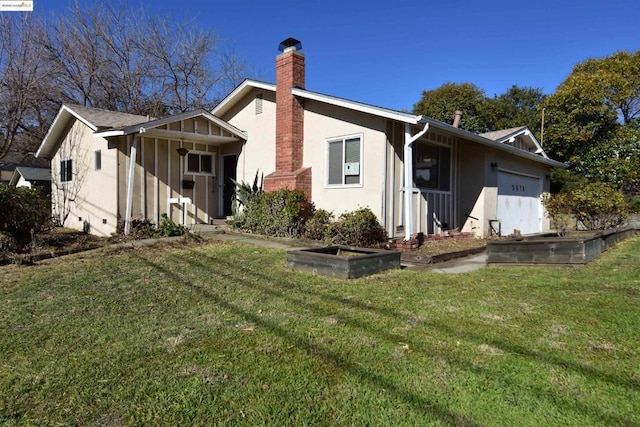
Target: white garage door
519,203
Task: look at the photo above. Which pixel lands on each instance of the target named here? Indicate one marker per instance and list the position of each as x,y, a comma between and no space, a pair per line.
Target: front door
229,165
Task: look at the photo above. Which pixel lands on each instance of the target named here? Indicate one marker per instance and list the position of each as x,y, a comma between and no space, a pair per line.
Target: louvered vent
259,98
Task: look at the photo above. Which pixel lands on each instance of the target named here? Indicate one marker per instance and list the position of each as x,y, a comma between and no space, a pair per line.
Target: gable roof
105,123
539,156
95,118
497,135
30,174
508,136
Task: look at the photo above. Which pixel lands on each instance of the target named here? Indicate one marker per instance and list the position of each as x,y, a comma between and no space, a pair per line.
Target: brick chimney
290,73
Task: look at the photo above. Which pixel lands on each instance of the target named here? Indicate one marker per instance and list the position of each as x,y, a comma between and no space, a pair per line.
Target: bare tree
105,55
25,103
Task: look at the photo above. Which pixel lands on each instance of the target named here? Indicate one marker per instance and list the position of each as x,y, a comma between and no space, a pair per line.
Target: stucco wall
258,153
478,184
323,122
89,200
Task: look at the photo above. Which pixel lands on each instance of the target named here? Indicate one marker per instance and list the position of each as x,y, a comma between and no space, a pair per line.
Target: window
432,166
344,161
66,170
199,163
98,159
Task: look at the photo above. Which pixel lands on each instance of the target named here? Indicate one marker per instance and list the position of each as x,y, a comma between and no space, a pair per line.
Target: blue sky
387,52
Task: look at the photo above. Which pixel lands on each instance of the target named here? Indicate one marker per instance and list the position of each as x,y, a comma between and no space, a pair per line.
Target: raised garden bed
343,261
578,248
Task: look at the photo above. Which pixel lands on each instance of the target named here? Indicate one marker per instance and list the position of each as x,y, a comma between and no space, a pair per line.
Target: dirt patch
435,251
51,243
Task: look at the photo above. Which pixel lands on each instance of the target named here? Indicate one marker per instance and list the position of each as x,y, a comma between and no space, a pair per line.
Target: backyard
222,333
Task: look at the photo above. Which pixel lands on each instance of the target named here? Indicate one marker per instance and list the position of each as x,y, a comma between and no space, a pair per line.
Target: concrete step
205,229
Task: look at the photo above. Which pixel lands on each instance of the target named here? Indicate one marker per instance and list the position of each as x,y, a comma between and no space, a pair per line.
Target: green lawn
224,334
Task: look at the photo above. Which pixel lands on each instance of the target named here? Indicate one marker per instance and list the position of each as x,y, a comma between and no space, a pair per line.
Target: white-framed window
66,170
344,161
199,163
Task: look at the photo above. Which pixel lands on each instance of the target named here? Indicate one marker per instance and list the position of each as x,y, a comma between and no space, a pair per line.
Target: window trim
199,173
343,139
64,168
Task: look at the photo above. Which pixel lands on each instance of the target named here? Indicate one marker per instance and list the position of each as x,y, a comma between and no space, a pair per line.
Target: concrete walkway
460,265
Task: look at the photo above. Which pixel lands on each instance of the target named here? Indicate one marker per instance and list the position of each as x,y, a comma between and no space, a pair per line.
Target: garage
519,203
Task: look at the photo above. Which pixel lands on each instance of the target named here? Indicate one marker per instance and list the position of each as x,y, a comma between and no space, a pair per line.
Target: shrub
559,210
359,228
169,228
316,227
23,211
599,206
634,203
281,213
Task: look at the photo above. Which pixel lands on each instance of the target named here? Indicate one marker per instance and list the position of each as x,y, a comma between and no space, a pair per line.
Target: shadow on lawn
339,362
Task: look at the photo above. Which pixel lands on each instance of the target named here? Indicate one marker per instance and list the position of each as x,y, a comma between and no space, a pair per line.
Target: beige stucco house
415,173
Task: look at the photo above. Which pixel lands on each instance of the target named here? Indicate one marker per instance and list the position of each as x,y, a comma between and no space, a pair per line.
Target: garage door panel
519,203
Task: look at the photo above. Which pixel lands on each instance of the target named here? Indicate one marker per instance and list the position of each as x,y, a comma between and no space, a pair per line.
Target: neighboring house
343,154
38,178
175,172
6,172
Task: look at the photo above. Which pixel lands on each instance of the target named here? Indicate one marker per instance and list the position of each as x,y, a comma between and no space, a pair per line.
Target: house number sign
515,187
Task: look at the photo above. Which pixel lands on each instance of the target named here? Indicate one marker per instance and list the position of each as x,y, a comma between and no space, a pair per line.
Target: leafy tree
518,106
593,120
442,103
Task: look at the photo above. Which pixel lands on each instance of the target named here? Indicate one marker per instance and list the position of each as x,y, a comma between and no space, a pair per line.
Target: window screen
344,163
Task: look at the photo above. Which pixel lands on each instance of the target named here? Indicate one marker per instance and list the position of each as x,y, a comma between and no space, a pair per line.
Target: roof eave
357,106
240,91
59,124
497,145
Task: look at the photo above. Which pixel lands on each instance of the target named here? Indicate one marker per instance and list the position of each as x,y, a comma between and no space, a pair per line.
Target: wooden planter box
343,261
550,249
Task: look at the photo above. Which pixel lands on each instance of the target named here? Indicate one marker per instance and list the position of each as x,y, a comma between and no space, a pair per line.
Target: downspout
408,179
132,168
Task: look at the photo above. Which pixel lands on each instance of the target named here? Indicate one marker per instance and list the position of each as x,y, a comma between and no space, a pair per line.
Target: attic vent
259,98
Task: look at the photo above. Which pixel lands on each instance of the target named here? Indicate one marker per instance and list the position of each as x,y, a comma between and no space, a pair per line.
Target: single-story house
30,177
415,173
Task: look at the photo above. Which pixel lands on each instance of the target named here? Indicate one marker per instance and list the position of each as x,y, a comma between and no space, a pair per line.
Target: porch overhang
161,128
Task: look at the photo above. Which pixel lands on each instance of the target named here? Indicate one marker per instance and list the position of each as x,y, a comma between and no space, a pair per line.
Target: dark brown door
229,165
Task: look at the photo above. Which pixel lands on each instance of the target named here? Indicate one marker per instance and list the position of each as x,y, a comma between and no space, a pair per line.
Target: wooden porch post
130,175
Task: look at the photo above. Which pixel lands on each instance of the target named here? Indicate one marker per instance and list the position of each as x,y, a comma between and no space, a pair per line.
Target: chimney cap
290,44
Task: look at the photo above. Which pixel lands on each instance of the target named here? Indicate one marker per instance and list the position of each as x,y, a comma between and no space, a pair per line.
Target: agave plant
245,192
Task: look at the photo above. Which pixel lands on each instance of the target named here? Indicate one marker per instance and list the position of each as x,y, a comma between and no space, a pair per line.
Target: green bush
317,226
359,228
169,228
634,203
281,213
23,212
599,206
560,211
